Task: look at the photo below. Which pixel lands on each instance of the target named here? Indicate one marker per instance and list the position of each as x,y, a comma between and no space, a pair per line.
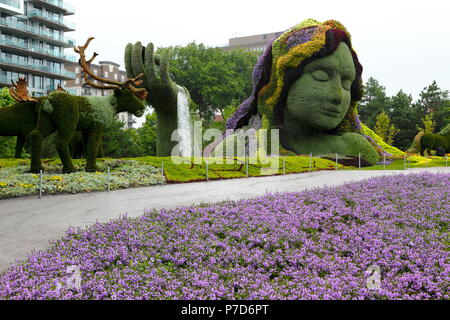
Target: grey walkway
29,223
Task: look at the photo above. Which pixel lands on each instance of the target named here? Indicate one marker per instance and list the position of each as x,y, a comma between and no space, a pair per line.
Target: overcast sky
403,44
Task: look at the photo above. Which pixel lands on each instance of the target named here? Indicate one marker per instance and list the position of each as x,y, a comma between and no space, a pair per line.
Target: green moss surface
386,147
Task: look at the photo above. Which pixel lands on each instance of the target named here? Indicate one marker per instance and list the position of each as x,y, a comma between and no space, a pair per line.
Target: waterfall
184,123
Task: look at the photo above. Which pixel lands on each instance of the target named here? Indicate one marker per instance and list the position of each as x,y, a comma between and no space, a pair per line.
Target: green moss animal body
429,142
18,120
67,114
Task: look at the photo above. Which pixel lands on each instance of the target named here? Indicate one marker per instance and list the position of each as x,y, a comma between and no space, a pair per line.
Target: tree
385,129
428,124
403,117
374,102
118,143
433,100
7,144
214,78
147,135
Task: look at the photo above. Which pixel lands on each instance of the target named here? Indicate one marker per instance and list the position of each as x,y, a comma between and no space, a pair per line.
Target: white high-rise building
32,43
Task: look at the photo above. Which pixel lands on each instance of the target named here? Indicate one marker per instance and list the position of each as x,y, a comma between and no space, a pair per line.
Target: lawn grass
15,181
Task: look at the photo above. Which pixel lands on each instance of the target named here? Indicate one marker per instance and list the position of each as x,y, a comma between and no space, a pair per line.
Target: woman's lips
331,112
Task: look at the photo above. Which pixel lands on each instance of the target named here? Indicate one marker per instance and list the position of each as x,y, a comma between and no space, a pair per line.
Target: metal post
40,184
359,160
404,158
162,172
337,163
246,167
445,160
310,162
384,161
107,179
284,167
207,171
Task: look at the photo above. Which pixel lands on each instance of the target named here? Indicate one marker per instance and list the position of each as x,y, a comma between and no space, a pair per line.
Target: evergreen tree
403,117
433,100
374,102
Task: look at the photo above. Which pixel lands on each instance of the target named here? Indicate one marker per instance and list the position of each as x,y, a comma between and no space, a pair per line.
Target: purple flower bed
316,244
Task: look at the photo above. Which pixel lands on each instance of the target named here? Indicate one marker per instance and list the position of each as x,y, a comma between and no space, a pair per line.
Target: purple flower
317,244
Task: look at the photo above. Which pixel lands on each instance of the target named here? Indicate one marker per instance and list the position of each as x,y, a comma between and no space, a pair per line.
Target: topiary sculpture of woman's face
307,84
320,98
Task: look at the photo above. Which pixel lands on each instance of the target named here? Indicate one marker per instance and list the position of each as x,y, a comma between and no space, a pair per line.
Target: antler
60,88
131,83
19,91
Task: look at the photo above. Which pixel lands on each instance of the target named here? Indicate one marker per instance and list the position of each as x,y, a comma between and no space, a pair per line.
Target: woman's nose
336,91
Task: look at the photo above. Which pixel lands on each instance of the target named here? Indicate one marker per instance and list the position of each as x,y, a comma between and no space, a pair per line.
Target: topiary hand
162,90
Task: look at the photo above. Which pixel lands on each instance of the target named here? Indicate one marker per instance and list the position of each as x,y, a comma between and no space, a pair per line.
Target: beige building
105,69
252,43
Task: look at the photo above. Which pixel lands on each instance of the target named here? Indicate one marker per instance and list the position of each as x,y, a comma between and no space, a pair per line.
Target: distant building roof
110,62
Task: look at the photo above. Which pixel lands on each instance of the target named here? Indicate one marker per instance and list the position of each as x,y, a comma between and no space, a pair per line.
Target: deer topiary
19,119
65,114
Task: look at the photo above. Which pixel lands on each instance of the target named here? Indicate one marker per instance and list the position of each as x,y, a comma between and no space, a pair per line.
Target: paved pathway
29,223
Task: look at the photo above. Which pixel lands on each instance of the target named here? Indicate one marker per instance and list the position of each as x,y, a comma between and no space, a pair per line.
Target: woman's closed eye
346,84
320,75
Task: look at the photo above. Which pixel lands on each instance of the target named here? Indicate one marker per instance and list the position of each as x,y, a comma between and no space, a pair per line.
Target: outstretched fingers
136,59
128,61
150,63
164,67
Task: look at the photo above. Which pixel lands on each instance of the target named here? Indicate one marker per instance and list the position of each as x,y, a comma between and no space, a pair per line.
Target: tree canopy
215,78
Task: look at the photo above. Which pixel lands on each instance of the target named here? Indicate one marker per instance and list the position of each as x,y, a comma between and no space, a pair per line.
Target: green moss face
127,101
320,98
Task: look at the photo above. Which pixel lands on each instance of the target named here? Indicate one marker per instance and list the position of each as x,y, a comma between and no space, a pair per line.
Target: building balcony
11,3
27,30
11,6
56,6
19,65
54,22
37,51
6,81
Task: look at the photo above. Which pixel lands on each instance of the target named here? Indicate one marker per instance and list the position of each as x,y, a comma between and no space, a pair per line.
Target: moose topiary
19,119
65,114
430,141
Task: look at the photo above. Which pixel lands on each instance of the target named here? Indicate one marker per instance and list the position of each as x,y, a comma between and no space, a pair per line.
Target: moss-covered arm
162,91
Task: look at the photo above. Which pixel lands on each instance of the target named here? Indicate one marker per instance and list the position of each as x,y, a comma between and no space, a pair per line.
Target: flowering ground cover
16,181
317,244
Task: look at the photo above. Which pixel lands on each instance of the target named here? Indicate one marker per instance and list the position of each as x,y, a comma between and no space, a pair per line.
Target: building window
77,80
115,76
106,74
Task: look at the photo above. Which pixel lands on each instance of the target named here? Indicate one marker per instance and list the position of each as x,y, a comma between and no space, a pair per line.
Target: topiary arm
163,92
